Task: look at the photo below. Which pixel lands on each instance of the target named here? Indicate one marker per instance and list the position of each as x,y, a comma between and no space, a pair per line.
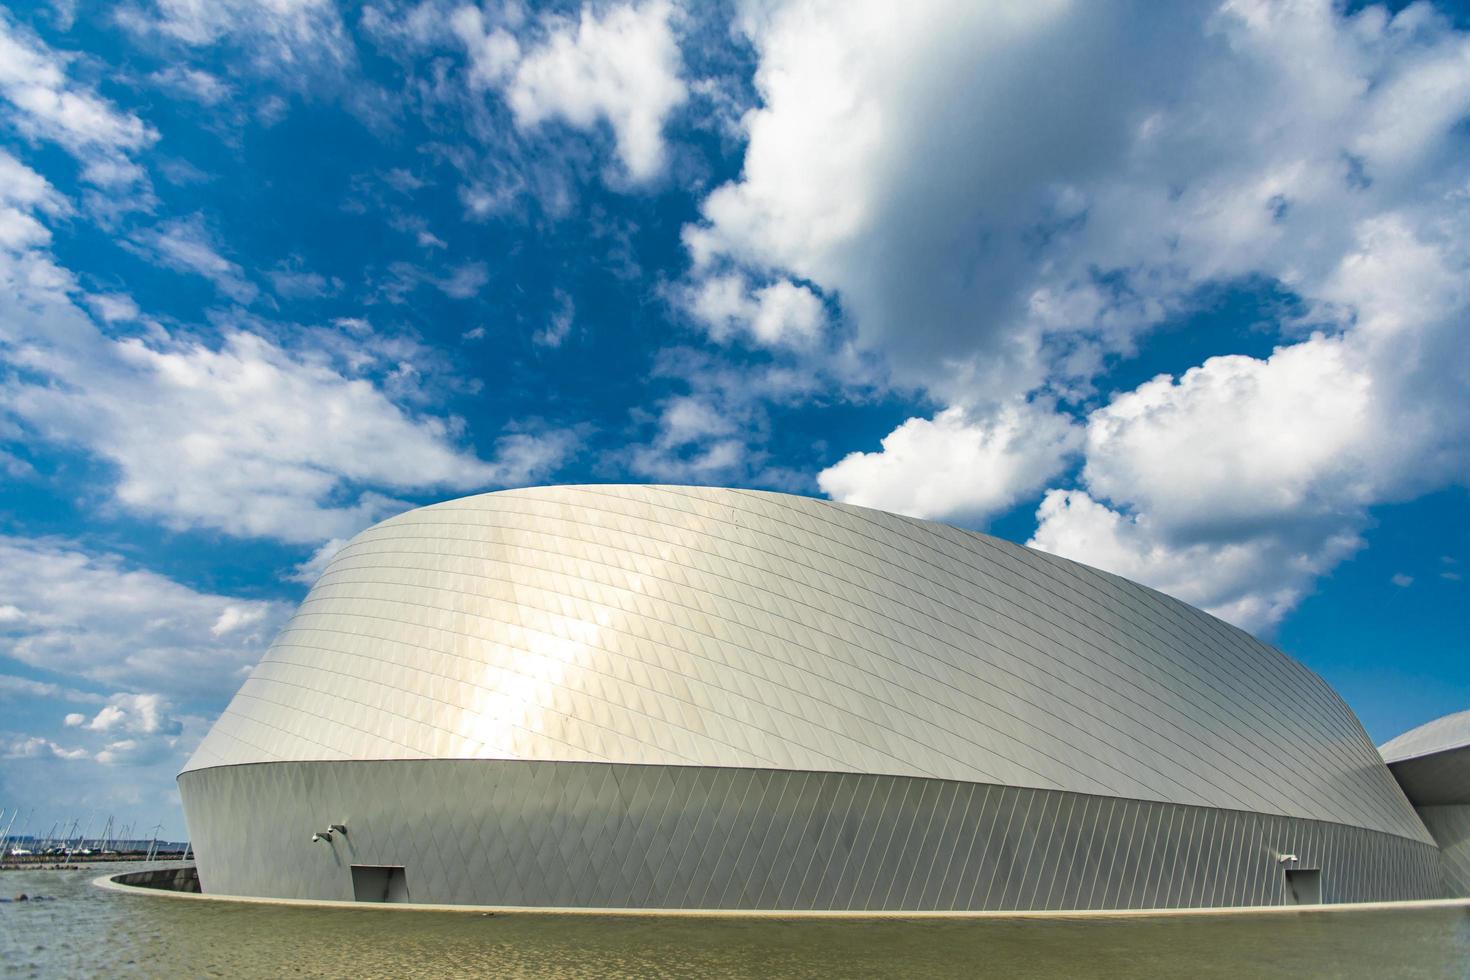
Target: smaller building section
1432,764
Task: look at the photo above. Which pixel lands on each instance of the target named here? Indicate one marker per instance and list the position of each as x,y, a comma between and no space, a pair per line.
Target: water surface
85,931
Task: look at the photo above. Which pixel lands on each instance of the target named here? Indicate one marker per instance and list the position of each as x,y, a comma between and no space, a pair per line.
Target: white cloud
713,432
1252,580
233,618
698,438
96,617
23,192
558,326
888,165
621,67
243,436
465,281
114,307
12,686
1261,471
878,156
493,51
250,440
293,282
300,47
404,181
482,202
782,313
1401,580
310,570
1238,440
136,714
127,775
192,83
955,467
118,752
41,103
186,245
20,186
31,747
15,467
46,105
1000,198
279,35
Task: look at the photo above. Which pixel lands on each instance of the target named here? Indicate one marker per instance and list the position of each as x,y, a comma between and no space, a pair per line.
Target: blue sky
1176,291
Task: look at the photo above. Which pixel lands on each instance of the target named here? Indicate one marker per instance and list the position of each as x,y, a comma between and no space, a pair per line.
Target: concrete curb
107,883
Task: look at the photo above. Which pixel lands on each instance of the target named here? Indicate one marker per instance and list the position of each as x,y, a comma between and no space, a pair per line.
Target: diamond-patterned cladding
570,834
738,655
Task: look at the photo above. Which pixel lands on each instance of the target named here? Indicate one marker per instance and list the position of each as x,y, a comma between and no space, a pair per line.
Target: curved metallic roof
1432,762
696,626
1439,735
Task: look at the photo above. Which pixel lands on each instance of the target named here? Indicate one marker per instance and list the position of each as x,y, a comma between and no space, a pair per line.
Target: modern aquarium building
689,698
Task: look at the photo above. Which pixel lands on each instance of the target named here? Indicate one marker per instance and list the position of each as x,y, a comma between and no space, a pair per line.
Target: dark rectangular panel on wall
379,883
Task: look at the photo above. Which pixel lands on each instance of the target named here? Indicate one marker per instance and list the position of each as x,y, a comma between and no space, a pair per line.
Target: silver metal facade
1440,735
701,628
1432,764
576,834
1437,778
1450,826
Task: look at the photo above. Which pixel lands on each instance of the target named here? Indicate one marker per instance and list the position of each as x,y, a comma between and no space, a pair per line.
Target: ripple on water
86,931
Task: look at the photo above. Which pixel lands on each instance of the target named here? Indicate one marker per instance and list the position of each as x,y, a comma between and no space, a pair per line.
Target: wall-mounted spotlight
1286,857
325,835
340,828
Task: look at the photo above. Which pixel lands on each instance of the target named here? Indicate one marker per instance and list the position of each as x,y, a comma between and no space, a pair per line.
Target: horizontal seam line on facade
1001,732
535,507
1216,709
292,626
813,772
1187,616
1023,682
1342,720
1267,716
1430,755
425,757
490,690
539,734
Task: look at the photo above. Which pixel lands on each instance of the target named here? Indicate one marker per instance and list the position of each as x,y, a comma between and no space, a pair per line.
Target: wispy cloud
95,616
187,245
42,102
193,83
282,36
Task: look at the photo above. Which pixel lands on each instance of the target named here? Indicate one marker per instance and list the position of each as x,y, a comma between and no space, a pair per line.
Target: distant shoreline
54,862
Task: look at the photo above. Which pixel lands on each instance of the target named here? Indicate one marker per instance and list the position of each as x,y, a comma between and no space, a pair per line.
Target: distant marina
71,842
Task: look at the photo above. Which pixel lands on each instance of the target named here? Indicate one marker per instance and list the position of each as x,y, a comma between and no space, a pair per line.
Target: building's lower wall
184,879
625,836
1450,826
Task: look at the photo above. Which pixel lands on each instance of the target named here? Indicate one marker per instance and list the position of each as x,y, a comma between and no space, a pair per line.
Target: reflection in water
88,932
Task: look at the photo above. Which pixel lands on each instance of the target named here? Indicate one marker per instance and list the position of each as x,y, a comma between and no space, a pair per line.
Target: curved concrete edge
107,883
